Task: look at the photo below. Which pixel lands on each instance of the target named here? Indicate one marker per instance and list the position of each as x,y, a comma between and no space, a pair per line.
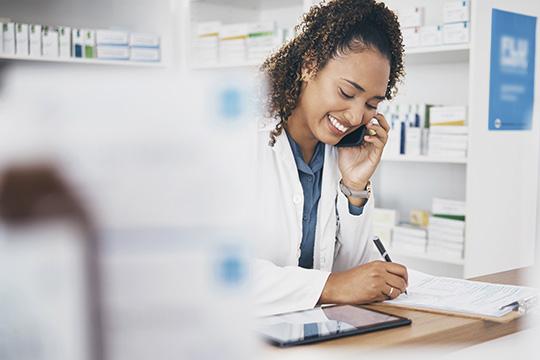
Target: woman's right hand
365,284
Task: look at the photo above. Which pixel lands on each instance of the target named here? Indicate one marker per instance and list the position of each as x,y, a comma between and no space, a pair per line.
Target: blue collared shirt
311,179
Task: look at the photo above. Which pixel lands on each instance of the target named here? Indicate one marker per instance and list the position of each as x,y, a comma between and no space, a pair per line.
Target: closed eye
345,95
371,107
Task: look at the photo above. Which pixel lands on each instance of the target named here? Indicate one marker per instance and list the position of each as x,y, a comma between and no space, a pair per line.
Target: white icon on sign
514,53
498,123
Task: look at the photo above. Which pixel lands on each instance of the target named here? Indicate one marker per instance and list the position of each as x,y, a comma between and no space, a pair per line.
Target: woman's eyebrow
360,88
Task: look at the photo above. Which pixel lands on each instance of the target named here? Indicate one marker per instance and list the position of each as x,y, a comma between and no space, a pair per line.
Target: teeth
337,124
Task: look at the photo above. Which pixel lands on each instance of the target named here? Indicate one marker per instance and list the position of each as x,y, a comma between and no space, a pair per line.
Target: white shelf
424,158
253,64
433,54
83,61
426,256
438,54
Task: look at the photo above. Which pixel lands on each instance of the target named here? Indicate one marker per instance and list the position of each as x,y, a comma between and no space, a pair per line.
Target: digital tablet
325,323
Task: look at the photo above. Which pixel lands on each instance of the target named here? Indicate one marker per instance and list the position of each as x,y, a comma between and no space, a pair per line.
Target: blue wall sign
511,82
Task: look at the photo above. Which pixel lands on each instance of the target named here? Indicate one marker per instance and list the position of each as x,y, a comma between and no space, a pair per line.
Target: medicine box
447,115
64,41
112,52
78,43
456,33
22,46
456,11
49,42
145,54
89,44
8,38
431,35
411,17
411,37
144,40
35,40
112,37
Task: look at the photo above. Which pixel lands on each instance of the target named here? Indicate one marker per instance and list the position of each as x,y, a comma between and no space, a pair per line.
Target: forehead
369,68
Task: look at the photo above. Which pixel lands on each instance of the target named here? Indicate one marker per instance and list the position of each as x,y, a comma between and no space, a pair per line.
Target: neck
298,129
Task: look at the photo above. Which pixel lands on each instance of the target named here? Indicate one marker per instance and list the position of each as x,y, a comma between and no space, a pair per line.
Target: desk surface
428,329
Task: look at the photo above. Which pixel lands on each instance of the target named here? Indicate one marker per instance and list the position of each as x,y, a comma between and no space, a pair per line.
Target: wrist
327,294
355,185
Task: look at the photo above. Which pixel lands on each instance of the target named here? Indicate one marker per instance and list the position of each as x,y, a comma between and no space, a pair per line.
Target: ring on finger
391,291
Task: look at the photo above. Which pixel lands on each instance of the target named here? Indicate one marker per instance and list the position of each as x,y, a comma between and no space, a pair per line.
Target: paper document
461,296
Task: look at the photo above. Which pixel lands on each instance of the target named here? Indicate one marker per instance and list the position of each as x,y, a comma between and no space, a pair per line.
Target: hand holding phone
359,154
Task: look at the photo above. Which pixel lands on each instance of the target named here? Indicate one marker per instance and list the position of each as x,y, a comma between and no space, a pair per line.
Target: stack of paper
460,297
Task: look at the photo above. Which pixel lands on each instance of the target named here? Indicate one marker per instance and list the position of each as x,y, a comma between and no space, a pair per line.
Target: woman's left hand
357,164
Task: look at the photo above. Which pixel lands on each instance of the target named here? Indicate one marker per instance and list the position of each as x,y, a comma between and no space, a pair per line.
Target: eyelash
347,96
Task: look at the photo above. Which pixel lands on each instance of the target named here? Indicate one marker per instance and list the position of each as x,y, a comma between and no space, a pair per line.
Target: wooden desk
435,330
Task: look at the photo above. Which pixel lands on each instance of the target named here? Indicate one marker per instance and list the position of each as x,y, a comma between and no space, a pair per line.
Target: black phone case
353,139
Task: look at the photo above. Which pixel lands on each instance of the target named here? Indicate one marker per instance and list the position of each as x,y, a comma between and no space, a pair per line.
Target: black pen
383,251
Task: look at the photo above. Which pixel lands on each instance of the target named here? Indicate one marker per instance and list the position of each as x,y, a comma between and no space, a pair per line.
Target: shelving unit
83,61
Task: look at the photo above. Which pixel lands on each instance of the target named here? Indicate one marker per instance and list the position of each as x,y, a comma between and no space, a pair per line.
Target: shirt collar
316,162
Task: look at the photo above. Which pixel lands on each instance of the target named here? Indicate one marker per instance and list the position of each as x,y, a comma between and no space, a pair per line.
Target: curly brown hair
328,30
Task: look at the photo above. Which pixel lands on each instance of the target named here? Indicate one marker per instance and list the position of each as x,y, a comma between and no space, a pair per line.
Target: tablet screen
325,323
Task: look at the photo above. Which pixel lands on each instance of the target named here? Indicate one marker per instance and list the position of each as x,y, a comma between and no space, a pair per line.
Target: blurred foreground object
49,275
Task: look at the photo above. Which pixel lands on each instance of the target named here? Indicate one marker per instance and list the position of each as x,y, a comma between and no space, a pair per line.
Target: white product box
456,33
411,17
261,40
22,45
233,44
208,28
206,43
77,43
112,52
411,37
112,37
385,217
89,44
413,141
35,40
145,54
447,114
431,35
456,11
144,40
8,38
49,42
64,41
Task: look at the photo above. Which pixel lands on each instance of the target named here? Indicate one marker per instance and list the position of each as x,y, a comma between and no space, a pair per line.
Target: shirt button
296,199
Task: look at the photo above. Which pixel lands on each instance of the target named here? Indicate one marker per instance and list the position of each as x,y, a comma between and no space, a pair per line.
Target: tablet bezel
400,321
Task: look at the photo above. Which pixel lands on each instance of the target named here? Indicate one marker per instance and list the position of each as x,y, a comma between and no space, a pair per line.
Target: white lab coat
342,240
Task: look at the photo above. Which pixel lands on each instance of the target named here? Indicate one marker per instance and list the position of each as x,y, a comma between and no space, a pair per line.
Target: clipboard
499,319
465,298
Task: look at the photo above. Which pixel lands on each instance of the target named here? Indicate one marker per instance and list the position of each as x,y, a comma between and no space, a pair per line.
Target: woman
315,241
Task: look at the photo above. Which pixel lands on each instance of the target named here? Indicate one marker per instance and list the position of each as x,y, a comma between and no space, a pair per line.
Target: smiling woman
323,85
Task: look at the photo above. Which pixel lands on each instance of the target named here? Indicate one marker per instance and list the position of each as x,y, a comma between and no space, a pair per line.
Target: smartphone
356,138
